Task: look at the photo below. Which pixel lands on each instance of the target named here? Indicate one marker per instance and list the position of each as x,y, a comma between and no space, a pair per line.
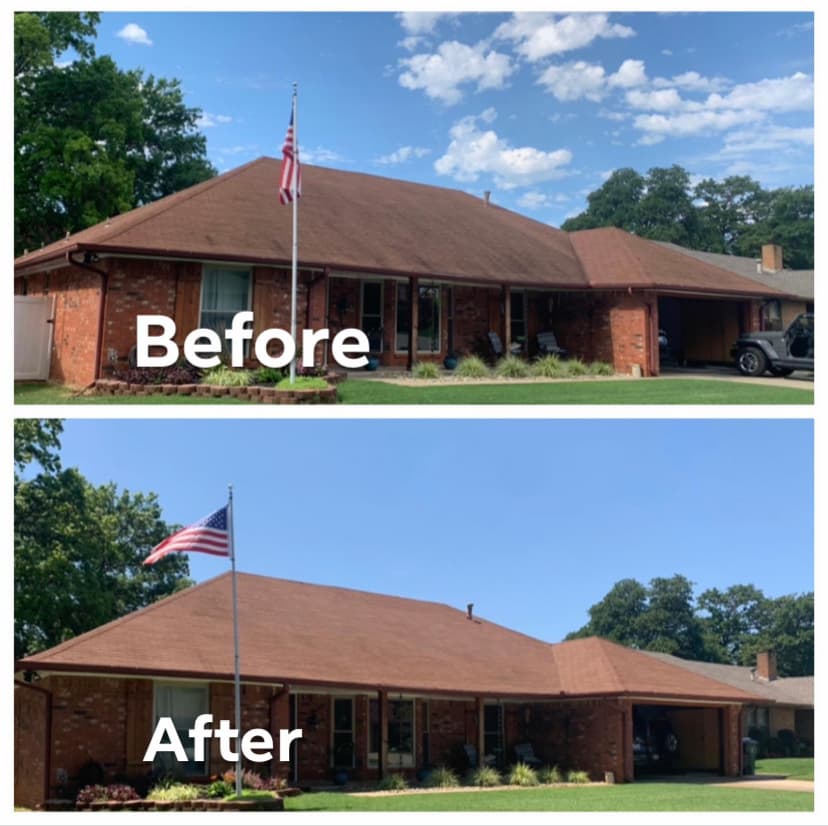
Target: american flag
291,171
209,536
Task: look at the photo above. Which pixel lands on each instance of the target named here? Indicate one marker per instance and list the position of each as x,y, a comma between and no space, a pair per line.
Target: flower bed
253,393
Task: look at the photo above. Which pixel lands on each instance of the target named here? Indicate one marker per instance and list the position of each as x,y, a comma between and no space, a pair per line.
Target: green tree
79,549
666,211
617,615
790,633
37,440
725,209
41,37
92,141
732,619
614,204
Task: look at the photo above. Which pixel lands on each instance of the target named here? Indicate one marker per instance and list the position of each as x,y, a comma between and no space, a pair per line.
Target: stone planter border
255,393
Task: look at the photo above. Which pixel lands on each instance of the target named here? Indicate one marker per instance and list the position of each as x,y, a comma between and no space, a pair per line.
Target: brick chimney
771,257
766,665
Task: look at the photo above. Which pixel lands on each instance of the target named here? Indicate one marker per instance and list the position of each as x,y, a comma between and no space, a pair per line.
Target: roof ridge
122,620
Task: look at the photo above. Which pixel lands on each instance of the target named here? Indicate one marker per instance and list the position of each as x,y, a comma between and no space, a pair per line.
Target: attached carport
675,739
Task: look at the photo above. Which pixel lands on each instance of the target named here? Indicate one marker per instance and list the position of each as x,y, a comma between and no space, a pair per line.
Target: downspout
85,265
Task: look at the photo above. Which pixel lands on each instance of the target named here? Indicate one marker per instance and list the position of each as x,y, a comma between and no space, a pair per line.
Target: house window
771,315
400,733
517,305
343,733
183,703
225,291
428,319
372,314
493,732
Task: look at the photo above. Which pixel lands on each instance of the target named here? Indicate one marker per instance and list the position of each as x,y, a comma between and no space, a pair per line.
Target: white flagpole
237,680
293,279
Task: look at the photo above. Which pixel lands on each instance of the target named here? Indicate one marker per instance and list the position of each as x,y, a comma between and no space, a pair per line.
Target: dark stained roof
615,259
799,283
795,691
303,634
367,223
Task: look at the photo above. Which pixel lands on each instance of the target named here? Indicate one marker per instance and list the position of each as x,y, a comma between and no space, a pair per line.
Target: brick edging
253,393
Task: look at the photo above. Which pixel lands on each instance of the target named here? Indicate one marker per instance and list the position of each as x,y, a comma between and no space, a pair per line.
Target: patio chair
548,345
526,754
497,346
471,756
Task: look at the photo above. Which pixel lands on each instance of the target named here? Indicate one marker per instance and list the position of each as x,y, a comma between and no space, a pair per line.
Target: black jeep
781,352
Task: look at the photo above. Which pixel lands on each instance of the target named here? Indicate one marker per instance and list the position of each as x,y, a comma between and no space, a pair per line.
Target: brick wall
31,725
77,306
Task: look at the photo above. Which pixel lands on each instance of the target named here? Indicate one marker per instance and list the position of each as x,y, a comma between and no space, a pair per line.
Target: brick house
425,271
377,683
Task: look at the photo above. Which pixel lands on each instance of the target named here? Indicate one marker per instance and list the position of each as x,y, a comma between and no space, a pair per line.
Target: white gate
33,336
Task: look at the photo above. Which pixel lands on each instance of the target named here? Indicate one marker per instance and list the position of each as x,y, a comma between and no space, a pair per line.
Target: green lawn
632,797
660,391
796,768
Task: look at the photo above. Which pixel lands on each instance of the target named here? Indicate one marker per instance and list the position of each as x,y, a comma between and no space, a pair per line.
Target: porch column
382,706
627,740
414,320
507,320
481,729
279,719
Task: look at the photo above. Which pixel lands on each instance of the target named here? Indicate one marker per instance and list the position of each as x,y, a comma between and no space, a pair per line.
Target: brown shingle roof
367,223
347,221
614,259
297,633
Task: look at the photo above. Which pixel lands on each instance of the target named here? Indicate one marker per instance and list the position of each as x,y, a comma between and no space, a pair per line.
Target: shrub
472,367
183,373
550,774
522,775
442,777
223,376
511,367
250,779
177,791
575,367
268,375
393,783
220,788
425,370
575,776
485,776
116,791
601,368
549,367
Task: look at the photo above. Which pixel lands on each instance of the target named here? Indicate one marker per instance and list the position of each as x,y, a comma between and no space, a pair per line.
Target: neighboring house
782,703
377,684
425,271
776,313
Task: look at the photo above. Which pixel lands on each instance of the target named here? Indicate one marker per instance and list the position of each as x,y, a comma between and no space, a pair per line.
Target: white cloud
534,200
769,139
631,73
421,22
539,35
796,29
609,114
667,52
411,42
473,152
693,82
685,124
207,120
403,154
782,94
133,33
572,81
320,155
441,74
661,100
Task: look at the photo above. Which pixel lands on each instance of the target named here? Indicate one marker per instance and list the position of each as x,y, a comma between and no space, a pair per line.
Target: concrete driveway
798,378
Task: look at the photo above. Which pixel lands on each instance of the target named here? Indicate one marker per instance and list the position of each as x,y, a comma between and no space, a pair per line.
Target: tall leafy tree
617,616
92,140
733,618
79,549
789,632
666,212
725,208
614,204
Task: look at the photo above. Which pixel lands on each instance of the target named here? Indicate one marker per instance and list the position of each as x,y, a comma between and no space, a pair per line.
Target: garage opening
677,740
694,332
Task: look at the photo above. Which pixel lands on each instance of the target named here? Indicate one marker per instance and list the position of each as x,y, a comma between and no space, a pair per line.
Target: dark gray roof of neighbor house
799,283
791,691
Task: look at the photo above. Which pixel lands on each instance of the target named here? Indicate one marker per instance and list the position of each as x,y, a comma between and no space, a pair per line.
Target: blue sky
533,521
538,108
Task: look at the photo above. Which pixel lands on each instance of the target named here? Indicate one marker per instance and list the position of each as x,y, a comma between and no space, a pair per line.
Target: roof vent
486,196
470,609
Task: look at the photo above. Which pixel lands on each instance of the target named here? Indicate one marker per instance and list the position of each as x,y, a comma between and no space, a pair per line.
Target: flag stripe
209,535
291,177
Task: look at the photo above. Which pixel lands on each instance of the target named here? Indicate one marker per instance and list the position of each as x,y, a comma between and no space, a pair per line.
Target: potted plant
450,361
